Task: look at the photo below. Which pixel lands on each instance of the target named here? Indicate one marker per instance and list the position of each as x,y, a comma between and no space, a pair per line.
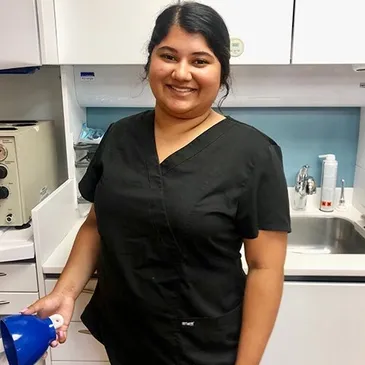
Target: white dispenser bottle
328,182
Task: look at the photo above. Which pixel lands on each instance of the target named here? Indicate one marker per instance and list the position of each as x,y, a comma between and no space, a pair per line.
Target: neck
173,125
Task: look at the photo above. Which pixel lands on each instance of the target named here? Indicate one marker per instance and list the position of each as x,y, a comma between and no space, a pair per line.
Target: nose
182,71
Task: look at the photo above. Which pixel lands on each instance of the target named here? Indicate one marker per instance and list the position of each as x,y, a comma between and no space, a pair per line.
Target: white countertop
16,244
297,264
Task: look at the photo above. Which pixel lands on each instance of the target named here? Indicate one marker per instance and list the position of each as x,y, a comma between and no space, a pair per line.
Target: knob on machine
3,172
4,192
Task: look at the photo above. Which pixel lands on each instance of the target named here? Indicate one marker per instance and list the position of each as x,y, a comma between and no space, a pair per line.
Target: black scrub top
170,280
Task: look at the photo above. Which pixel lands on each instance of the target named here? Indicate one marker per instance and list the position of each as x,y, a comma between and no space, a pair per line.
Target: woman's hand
54,303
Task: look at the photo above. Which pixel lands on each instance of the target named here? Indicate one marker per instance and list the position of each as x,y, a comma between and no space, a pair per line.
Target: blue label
87,74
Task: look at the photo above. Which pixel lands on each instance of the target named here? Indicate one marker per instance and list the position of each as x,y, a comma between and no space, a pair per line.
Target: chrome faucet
304,185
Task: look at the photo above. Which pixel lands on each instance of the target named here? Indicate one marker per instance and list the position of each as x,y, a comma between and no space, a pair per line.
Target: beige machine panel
10,203
28,169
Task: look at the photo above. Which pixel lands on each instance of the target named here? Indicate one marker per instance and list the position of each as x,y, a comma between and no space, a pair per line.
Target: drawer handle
3,274
85,332
3,302
88,291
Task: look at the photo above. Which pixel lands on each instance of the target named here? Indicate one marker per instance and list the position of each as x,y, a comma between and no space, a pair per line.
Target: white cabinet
19,44
47,32
329,32
264,27
18,286
105,31
12,303
18,277
318,324
80,346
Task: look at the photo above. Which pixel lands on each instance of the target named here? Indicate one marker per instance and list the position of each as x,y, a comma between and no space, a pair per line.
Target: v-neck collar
186,152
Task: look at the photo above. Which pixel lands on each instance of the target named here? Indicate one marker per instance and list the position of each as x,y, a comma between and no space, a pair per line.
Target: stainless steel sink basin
327,235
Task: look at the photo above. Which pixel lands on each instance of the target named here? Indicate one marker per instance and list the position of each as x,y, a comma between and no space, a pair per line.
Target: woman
175,191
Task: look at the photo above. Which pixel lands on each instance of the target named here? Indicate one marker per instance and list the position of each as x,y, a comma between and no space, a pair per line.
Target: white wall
36,96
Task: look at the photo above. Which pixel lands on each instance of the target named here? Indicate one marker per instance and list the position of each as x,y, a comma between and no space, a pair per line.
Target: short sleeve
264,204
87,184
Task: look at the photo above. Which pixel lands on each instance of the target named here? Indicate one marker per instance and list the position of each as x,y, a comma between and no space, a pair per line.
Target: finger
62,336
63,328
33,308
30,310
54,343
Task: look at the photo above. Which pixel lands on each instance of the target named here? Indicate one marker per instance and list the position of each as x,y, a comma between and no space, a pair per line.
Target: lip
182,90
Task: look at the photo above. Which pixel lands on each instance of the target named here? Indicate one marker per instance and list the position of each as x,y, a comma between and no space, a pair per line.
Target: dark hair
194,17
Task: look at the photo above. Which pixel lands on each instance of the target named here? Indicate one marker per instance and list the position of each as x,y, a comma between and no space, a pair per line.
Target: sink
327,235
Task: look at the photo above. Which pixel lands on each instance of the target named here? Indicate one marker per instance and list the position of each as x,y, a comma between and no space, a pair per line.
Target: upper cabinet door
329,32
105,31
19,44
260,29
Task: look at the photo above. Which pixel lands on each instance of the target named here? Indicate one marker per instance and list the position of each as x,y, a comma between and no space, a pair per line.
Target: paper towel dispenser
252,86
359,68
112,86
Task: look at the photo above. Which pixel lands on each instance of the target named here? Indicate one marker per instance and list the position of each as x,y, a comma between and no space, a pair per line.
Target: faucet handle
304,170
311,185
341,206
305,185
342,197
302,173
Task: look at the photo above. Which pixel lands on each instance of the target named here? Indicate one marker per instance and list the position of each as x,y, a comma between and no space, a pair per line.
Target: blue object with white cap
27,337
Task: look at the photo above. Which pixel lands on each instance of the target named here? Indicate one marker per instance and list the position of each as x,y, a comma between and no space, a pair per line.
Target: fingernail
61,334
24,310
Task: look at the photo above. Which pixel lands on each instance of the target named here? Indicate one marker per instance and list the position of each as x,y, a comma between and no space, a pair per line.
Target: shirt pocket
212,341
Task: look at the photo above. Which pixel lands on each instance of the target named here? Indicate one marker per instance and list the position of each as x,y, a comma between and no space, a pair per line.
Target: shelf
84,164
85,147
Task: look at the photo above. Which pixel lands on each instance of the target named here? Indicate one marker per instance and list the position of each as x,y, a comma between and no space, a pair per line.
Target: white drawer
18,277
81,301
80,346
13,303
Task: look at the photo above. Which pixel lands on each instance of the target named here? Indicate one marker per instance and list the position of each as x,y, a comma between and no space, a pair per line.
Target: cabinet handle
3,274
88,291
2,302
85,332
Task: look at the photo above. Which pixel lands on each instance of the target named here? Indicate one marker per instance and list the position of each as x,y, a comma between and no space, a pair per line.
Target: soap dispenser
328,182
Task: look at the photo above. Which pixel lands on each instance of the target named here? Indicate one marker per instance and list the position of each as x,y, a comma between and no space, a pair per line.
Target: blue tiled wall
302,133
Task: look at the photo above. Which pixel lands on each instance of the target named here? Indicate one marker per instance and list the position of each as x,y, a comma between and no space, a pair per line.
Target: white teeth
181,89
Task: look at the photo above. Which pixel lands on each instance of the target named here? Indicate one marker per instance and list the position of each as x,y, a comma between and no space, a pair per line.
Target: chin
179,110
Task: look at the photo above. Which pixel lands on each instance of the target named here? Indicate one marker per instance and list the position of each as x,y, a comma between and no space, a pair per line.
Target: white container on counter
328,182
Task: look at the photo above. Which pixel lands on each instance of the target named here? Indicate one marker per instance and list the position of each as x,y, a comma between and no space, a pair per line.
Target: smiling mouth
181,90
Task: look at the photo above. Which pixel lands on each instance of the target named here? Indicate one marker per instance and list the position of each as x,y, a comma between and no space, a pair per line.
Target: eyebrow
173,50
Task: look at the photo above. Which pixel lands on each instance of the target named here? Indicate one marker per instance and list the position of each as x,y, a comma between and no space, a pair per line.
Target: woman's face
184,74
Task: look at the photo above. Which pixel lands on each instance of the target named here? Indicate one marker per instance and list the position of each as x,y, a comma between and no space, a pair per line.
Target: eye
201,62
168,57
